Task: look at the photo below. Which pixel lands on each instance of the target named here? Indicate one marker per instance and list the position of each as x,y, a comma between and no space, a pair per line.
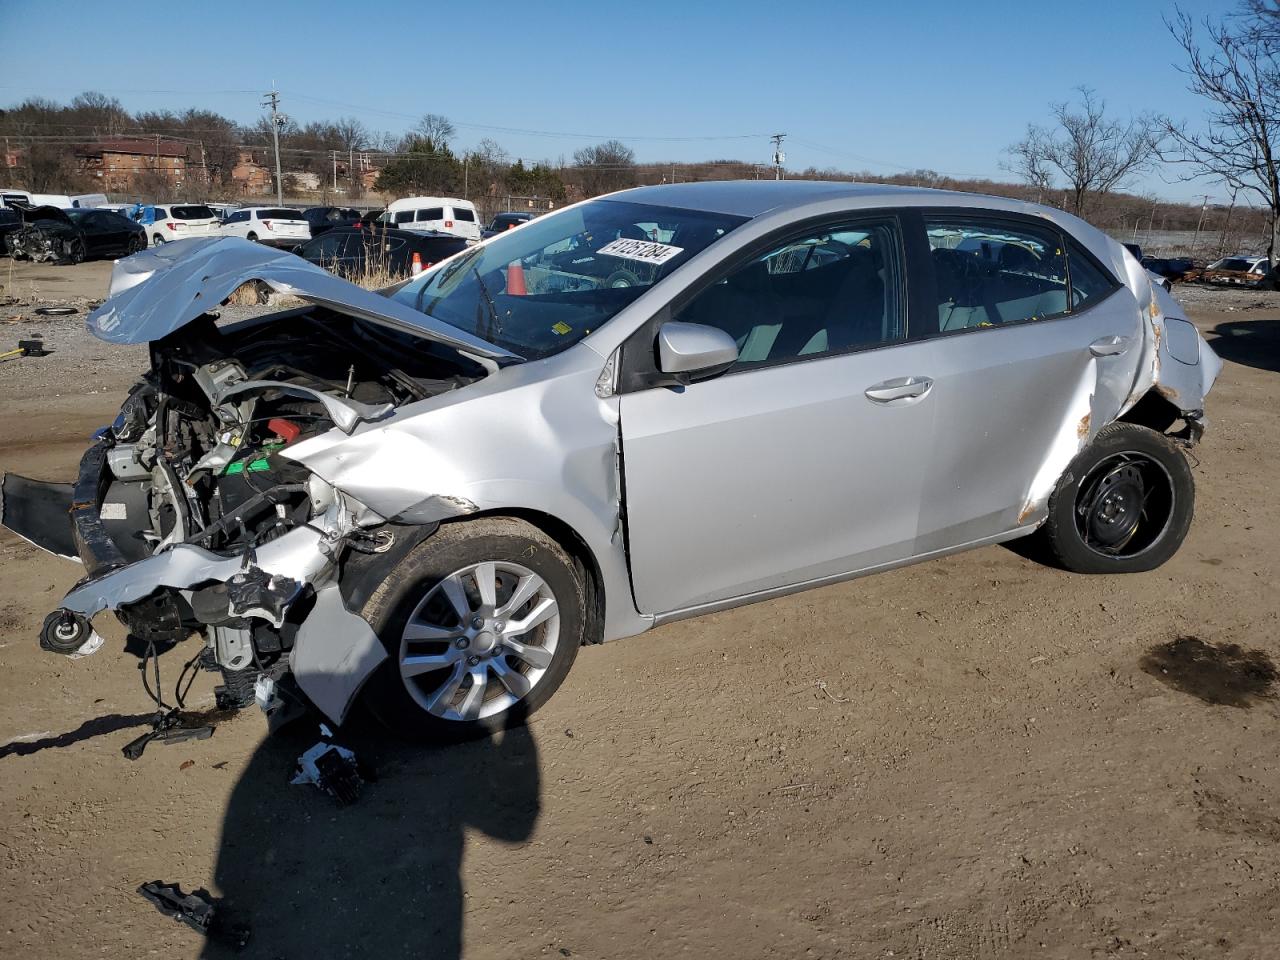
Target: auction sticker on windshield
646,251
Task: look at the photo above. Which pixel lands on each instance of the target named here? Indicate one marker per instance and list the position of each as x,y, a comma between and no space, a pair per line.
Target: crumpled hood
157,291
47,214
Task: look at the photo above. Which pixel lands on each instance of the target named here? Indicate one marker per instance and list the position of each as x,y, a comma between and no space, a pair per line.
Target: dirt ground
978,757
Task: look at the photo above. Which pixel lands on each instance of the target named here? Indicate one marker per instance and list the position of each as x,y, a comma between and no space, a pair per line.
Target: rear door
804,460
1021,372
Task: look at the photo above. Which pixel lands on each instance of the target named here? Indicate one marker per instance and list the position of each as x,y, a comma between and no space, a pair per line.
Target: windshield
1230,263
540,289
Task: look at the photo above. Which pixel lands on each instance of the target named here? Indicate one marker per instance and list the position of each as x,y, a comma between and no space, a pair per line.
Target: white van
439,214
72,201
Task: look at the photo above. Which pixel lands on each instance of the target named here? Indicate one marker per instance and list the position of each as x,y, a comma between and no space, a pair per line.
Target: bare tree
436,128
605,167
1237,70
1093,153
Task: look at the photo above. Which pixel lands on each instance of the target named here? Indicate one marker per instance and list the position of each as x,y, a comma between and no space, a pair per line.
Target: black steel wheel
1124,505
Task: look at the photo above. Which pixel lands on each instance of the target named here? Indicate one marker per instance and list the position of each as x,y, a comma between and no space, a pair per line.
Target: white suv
177,222
435,215
275,226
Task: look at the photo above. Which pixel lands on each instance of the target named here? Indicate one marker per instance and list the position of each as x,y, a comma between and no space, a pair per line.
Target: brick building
119,165
251,174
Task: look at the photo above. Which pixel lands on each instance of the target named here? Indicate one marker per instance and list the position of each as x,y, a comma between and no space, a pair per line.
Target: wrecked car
1255,272
50,235
644,407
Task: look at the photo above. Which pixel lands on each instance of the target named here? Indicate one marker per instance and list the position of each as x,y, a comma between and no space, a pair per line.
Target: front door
805,460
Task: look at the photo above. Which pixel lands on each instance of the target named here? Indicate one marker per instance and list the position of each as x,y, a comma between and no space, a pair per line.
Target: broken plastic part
198,910
333,769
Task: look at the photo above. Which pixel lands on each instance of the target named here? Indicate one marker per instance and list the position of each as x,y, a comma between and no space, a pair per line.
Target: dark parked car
350,251
10,220
1172,268
69,236
326,218
506,221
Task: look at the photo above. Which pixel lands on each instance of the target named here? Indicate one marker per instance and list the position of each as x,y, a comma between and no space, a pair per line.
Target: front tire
482,622
1124,505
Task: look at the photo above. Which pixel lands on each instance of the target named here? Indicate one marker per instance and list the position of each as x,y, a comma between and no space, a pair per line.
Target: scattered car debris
198,910
333,769
166,728
56,311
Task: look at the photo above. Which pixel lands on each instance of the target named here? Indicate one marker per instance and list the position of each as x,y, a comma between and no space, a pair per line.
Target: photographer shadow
380,877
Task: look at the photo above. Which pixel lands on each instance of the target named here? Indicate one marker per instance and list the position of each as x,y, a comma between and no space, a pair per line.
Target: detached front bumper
67,519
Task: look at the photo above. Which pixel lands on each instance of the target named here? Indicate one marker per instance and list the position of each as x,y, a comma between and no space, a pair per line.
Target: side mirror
687,349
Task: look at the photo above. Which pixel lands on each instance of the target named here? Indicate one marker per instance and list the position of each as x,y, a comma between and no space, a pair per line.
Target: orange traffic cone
416,267
515,279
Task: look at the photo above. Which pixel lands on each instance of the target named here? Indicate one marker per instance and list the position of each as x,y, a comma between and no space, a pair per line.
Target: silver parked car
647,406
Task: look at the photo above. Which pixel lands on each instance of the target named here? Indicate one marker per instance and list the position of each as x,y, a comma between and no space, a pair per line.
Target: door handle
899,388
1109,346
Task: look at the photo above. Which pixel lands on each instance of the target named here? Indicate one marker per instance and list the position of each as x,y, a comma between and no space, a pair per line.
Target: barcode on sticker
646,251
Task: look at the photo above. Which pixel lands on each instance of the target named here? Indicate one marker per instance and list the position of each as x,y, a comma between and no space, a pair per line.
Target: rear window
191,213
463,214
280,213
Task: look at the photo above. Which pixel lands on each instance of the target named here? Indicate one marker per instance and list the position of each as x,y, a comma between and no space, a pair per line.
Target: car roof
751,198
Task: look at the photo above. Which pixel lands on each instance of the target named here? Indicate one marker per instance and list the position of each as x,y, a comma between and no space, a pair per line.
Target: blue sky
874,86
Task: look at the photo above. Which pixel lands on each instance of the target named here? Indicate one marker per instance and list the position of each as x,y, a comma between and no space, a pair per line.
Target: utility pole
1199,223
778,156
278,120
1222,243
335,170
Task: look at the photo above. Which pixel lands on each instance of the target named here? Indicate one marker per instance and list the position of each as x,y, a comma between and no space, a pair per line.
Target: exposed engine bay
190,518
47,235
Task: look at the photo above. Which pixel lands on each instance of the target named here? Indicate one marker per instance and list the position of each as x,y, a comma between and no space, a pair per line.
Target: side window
405,216
161,213
328,247
1089,283
821,293
431,213
990,272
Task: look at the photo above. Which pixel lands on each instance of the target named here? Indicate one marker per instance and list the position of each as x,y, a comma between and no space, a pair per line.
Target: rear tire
157,240
252,237
1124,505
489,678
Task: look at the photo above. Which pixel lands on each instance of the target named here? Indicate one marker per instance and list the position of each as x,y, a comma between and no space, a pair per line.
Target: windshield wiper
495,325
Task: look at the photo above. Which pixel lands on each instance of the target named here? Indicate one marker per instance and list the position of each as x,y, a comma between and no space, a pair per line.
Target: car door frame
637,371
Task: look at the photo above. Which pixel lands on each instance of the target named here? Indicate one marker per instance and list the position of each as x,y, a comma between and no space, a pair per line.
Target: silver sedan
647,406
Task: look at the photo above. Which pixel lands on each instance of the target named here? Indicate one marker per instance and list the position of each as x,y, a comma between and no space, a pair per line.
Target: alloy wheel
479,641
